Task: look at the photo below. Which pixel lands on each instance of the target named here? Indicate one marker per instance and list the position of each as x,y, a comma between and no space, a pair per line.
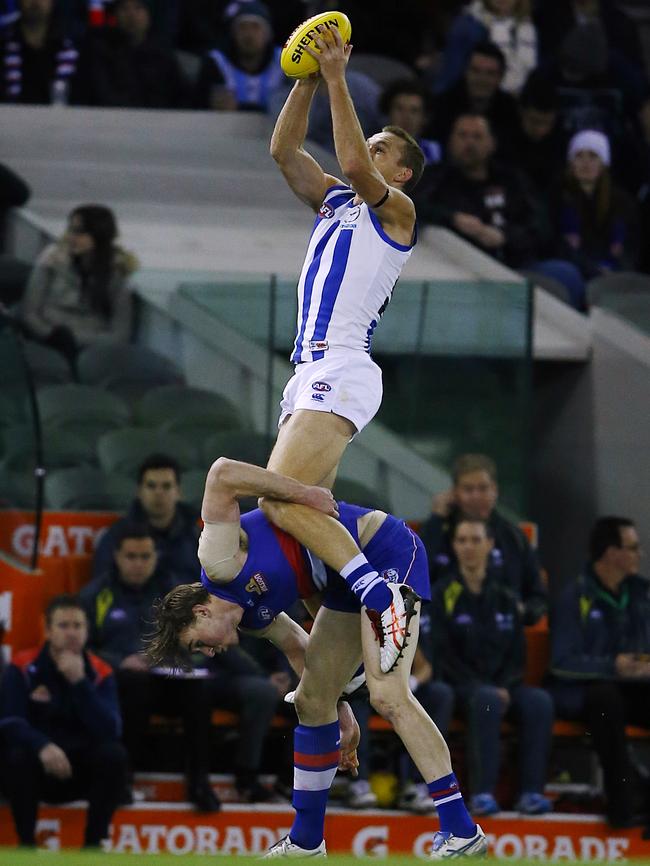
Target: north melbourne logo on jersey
326,211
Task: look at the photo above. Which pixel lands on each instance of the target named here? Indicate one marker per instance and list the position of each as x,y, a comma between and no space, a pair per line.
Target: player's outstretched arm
230,480
349,141
303,174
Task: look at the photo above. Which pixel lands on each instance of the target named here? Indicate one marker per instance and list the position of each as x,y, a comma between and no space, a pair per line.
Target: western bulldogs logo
321,386
391,574
265,614
257,584
326,212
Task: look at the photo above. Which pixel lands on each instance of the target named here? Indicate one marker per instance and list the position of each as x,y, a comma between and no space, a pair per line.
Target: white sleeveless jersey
348,277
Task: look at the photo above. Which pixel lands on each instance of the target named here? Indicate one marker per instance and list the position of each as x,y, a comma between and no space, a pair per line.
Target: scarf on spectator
8,13
65,66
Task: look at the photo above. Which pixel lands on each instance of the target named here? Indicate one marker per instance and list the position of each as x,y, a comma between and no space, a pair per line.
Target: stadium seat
127,370
358,494
47,366
627,294
13,409
247,447
60,449
123,451
384,70
87,490
82,409
190,412
17,489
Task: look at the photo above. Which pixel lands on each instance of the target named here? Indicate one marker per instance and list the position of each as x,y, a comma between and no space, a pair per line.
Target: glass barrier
19,440
456,360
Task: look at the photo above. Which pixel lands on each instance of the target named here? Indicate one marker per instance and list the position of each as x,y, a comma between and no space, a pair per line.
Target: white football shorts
346,382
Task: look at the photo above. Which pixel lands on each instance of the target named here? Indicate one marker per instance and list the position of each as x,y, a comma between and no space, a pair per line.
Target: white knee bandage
218,548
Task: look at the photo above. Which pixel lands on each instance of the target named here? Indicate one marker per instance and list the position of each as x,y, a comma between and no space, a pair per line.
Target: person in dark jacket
480,649
486,202
474,495
119,607
173,524
40,64
60,727
128,67
600,668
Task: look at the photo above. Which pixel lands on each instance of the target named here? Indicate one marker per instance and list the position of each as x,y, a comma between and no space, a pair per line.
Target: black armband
382,200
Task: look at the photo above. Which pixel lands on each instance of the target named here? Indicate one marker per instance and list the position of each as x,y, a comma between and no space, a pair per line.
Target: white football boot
447,845
391,626
286,848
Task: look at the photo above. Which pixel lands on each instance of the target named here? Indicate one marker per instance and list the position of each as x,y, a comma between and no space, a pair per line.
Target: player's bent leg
391,696
332,657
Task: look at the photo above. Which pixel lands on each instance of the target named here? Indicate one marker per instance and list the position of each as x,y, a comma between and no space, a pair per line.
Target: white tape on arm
218,548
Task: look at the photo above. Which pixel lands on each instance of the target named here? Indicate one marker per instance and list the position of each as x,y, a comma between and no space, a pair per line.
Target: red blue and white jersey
278,570
347,279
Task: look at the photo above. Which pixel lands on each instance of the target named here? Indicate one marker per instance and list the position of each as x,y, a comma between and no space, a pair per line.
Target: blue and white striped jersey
348,277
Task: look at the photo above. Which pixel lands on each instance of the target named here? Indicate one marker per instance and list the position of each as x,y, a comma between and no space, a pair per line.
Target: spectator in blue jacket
119,606
480,648
60,727
174,524
600,638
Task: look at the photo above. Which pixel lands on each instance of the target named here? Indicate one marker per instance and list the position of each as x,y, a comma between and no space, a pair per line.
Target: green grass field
12,857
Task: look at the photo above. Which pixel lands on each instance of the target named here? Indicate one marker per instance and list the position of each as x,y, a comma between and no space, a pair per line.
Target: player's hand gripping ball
294,60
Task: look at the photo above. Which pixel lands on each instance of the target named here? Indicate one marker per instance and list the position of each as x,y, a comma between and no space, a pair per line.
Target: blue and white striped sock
451,808
316,752
366,584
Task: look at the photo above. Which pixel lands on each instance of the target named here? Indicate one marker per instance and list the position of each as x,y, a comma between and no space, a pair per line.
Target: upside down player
250,577
363,234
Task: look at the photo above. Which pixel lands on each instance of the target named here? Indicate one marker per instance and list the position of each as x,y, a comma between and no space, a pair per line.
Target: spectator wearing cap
129,67
38,62
596,220
478,91
174,524
506,23
246,73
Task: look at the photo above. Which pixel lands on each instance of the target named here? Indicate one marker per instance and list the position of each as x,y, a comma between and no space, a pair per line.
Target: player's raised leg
309,447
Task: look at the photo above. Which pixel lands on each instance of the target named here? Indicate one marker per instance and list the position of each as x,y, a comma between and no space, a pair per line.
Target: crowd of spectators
527,185
538,73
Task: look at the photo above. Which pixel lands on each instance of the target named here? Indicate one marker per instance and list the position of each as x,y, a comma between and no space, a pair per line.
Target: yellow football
294,60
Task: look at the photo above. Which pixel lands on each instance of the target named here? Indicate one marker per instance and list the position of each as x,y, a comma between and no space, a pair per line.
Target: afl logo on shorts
321,386
326,212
